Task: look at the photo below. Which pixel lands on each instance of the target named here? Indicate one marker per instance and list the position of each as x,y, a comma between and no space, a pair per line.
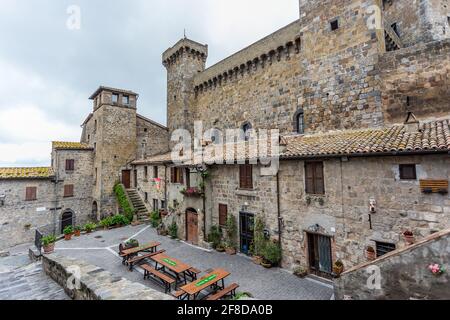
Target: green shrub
231,232
155,219
215,236
89,227
120,220
106,223
123,201
173,230
133,243
68,230
259,238
48,240
272,253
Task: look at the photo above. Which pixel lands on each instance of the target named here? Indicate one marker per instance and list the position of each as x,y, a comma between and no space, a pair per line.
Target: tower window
334,25
115,98
247,129
299,122
125,100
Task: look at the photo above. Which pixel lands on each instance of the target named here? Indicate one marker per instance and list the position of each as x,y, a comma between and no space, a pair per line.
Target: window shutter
242,176
319,180
223,214
34,193
70,165
68,190
172,175
27,194
309,177
249,176
180,172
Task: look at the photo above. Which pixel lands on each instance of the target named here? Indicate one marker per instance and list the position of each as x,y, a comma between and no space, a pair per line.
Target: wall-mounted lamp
2,199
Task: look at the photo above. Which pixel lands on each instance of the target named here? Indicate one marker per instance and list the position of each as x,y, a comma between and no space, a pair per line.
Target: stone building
360,94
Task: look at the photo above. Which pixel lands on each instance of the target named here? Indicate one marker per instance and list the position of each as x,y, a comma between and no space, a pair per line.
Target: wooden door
192,227
320,255
247,230
126,178
135,179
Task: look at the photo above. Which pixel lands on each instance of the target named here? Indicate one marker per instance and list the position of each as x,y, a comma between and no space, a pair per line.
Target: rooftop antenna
185,33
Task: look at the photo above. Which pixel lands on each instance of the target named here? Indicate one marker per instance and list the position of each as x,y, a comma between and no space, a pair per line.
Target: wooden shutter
172,175
318,178
68,190
30,193
223,214
70,165
309,178
188,178
180,175
246,176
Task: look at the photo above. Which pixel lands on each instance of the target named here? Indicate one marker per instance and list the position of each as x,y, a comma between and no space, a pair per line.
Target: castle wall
421,73
152,139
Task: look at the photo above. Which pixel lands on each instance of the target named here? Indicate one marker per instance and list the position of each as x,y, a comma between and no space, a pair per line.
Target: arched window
299,122
247,128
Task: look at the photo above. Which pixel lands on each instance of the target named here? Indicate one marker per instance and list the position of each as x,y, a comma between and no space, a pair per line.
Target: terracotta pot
266,265
231,251
77,233
49,249
371,256
68,237
220,249
410,239
338,270
257,260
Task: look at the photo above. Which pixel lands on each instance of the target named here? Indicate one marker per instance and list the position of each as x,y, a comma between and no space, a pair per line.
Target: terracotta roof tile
26,173
70,145
432,136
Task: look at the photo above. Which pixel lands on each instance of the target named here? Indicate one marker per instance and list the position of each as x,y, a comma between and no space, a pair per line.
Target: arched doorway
94,210
192,226
66,220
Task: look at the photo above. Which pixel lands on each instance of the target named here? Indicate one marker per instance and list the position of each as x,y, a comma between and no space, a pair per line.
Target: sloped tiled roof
70,145
26,173
161,158
432,136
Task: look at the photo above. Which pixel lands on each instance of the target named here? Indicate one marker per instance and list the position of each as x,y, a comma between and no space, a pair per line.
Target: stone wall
421,73
404,274
148,185
95,283
152,138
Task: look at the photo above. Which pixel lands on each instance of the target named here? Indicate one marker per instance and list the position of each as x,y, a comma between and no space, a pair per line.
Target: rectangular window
146,173
384,248
334,25
223,214
155,172
163,204
70,165
115,98
314,178
155,204
95,177
146,197
176,175
68,191
188,178
31,194
125,100
408,172
246,176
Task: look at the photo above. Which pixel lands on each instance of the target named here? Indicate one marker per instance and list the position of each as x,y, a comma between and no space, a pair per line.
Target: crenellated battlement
282,43
185,46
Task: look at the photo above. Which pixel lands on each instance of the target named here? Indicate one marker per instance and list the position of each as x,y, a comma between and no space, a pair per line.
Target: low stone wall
82,281
403,274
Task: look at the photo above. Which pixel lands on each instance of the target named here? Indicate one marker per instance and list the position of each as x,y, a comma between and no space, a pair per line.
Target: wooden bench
164,279
136,260
193,273
228,291
180,295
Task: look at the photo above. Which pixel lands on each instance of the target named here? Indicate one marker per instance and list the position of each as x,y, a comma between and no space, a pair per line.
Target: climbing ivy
123,201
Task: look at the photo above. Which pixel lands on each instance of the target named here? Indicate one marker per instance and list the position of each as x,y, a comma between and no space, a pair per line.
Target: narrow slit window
334,25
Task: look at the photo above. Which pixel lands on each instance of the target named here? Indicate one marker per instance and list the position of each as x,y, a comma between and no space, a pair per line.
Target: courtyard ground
100,249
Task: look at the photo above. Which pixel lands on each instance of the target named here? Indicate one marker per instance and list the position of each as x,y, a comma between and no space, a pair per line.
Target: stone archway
67,219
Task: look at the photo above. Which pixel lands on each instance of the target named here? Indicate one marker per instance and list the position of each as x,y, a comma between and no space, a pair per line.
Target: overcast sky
48,71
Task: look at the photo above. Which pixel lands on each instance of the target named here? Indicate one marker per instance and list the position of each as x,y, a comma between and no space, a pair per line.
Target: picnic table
177,267
215,279
149,248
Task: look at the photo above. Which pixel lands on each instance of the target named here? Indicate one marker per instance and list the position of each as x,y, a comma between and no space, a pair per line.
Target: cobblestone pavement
100,249
22,280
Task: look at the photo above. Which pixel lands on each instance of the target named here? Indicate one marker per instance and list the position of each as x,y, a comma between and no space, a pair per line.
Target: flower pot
77,233
266,265
231,251
410,240
338,270
68,237
220,249
371,255
257,260
49,249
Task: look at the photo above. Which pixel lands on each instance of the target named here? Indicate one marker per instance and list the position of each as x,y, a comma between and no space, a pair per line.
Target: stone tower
112,128
183,61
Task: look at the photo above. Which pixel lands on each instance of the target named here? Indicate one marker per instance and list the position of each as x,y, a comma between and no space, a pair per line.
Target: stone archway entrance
192,226
67,219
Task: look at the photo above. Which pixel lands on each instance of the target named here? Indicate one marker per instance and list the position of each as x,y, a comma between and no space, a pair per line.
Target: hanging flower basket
192,192
436,269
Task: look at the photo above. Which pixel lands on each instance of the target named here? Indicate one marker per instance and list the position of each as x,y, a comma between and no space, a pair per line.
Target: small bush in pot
132,243
272,254
231,235
48,243
301,272
338,268
173,230
409,237
89,227
371,254
155,219
215,236
68,232
220,247
119,220
77,231
106,223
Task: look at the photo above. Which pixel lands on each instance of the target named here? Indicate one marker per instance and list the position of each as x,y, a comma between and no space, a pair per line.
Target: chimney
412,125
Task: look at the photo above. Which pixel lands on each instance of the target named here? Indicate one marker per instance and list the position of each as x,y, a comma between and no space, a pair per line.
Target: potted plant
155,219
161,230
48,243
106,223
409,237
300,272
338,268
272,254
173,230
68,232
371,254
130,244
231,235
77,231
220,247
89,227
259,241
215,236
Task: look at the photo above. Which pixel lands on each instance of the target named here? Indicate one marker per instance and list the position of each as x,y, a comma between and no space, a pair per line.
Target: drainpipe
204,211
280,219
165,187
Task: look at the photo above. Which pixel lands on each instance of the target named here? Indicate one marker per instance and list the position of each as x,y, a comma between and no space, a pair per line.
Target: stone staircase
138,204
22,280
393,41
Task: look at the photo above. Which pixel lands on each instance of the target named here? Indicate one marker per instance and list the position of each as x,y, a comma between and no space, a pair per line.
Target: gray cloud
52,70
